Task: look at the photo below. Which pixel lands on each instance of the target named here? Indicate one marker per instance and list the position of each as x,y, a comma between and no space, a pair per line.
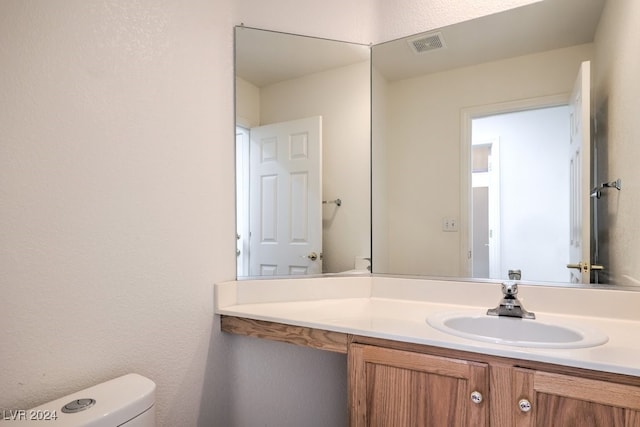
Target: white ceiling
542,26
267,57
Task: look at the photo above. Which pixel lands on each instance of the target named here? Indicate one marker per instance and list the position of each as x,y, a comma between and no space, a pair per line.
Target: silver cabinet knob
476,397
524,405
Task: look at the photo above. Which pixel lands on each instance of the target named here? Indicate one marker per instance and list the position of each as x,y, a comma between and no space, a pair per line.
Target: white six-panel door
580,167
285,208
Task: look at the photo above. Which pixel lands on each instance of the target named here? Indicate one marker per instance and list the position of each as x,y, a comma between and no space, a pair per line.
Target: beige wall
379,176
392,21
247,103
117,197
616,106
423,155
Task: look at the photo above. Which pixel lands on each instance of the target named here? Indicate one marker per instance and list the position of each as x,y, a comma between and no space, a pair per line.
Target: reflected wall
417,152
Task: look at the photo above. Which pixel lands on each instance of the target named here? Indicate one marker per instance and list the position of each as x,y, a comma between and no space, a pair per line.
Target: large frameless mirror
302,155
475,173
505,143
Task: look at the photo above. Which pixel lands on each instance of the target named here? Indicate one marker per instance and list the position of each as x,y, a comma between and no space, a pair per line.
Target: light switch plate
450,224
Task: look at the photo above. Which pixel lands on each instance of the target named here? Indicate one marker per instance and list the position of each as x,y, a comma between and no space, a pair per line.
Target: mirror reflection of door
279,199
580,165
281,77
485,222
512,225
242,201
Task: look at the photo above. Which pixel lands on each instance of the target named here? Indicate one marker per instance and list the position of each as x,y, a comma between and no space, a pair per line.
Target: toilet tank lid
116,402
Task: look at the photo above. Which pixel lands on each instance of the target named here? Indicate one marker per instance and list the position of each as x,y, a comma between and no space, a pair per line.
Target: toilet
361,265
124,401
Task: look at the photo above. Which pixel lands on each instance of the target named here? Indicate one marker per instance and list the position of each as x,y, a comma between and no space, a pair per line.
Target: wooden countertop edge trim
339,342
298,335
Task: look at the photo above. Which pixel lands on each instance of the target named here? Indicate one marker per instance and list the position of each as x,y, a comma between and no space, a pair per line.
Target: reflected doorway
242,201
519,198
485,205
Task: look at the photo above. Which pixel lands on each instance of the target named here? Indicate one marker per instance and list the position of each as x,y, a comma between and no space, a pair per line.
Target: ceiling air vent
426,42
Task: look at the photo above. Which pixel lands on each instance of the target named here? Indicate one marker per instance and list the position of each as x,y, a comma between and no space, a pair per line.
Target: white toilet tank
124,401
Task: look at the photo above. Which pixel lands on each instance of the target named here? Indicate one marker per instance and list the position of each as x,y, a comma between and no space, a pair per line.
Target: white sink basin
516,332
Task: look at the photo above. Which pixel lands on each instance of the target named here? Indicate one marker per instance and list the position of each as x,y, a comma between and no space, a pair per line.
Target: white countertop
397,308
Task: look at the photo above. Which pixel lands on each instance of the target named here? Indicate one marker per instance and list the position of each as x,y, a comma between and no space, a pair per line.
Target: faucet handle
510,306
510,290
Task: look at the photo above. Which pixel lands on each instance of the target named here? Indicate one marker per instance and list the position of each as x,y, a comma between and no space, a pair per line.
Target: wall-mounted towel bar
338,202
597,192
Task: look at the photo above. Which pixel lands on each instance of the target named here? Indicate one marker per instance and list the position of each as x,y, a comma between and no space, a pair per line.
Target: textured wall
398,18
617,104
115,161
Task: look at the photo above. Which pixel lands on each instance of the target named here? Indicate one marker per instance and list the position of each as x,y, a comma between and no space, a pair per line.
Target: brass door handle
577,266
585,266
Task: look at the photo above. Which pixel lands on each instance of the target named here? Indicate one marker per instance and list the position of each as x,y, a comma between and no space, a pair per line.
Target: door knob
577,266
312,256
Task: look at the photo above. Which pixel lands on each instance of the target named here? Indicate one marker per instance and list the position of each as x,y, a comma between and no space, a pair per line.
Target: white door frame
492,181
242,201
580,158
467,116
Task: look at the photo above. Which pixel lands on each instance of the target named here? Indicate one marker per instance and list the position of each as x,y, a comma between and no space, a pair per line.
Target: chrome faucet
510,305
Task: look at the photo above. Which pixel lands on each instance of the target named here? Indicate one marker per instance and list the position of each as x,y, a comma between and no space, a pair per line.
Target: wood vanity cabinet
396,387
399,384
565,401
391,387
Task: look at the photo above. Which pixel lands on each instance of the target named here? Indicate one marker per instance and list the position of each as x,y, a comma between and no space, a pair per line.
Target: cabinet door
400,388
567,401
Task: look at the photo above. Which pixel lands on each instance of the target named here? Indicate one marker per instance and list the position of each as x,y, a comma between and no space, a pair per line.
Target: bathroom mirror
302,154
462,189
